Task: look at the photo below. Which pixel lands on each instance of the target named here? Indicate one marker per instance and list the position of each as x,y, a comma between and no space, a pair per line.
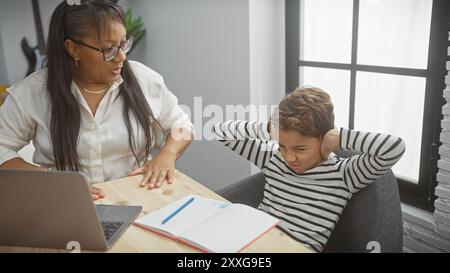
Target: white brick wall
442,204
425,231
422,233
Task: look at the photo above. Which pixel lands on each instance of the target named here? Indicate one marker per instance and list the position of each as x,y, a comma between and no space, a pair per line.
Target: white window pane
394,105
394,33
336,83
326,30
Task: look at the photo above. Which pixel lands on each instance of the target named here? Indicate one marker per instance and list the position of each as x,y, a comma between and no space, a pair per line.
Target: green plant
134,26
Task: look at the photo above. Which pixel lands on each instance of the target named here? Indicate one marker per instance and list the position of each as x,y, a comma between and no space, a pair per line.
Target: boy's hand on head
330,143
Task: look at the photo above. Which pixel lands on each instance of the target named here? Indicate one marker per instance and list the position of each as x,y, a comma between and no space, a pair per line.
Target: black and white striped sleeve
251,140
379,153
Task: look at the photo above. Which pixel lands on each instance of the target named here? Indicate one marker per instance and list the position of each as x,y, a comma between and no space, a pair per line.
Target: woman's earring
76,62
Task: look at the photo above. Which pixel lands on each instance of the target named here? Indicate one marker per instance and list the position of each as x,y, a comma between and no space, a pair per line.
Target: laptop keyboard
110,228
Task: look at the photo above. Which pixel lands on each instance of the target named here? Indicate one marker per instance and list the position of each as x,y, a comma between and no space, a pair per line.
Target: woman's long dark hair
76,21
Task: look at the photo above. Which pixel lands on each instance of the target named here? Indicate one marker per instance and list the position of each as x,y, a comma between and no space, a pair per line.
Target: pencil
177,211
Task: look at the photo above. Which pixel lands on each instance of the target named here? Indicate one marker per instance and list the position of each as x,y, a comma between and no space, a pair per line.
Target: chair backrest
371,219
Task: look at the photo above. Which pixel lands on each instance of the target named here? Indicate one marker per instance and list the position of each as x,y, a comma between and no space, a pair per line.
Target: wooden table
126,191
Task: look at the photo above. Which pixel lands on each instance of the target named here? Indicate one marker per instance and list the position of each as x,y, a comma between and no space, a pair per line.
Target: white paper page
196,212
232,229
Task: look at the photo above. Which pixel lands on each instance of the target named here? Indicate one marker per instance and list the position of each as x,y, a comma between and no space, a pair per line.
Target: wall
213,49
16,22
267,53
4,79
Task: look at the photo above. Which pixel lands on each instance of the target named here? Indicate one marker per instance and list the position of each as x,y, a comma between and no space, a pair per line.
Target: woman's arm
19,163
162,167
172,119
177,142
17,126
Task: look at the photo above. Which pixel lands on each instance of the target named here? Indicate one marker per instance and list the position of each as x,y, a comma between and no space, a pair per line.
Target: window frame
422,194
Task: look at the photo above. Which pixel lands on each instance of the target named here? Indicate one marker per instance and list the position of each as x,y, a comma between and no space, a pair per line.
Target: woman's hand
158,170
97,193
330,143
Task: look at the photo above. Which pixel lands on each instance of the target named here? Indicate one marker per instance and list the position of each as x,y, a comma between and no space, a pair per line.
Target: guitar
34,59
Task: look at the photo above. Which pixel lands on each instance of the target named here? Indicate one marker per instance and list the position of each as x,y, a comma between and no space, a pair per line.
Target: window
383,63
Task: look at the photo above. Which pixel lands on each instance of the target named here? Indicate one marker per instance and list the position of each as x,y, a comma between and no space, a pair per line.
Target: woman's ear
72,49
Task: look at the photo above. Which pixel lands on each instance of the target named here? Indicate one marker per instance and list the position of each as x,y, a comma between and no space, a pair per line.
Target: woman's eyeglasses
110,53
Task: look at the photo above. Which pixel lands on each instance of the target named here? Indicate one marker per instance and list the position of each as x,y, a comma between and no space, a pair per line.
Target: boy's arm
251,140
379,153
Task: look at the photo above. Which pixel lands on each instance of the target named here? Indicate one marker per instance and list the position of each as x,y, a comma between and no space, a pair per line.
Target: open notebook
210,225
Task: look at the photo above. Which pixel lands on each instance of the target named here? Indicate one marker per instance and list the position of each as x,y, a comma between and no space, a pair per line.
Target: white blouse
103,149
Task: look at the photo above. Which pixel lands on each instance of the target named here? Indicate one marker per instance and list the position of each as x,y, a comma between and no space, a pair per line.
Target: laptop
55,210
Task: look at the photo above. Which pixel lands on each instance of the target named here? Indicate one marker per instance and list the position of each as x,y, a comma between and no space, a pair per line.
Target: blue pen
177,211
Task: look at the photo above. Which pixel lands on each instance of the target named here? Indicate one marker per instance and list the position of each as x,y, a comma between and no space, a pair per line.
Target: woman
92,110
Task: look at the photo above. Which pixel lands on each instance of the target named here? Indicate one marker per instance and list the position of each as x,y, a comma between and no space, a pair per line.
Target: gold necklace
96,92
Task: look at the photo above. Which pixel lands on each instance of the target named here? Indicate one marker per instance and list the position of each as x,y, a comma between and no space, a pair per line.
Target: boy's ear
323,150
320,138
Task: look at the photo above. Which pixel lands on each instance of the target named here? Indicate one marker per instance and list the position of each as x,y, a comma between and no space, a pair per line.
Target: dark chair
372,215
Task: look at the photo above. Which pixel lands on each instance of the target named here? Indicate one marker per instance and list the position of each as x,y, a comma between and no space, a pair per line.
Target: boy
307,186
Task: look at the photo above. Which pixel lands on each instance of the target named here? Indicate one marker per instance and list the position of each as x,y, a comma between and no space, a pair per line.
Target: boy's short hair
308,111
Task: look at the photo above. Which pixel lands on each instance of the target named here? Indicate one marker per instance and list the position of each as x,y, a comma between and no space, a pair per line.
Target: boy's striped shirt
311,203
